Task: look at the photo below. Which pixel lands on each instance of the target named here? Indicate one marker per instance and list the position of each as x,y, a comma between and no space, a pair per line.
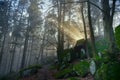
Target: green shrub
66,55
100,73
108,66
101,44
82,68
117,35
110,71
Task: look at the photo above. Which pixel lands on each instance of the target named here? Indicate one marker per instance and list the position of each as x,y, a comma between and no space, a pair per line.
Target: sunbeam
71,29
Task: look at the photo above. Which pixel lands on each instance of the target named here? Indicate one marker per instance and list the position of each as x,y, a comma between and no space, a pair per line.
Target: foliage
106,56
110,71
77,69
65,59
66,55
108,66
117,35
81,68
101,44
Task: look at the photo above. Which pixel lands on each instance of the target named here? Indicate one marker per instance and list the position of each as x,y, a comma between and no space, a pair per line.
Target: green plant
110,71
108,66
100,73
66,55
101,44
117,35
81,68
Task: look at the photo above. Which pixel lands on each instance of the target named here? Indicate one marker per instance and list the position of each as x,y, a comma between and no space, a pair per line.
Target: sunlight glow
71,29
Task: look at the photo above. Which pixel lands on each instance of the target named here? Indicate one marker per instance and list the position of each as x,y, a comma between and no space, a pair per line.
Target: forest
59,39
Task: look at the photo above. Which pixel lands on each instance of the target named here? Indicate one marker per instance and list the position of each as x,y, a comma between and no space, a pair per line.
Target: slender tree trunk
91,31
25,48
13,54
2,48
85,32
59,48
42,48
31,49
19,59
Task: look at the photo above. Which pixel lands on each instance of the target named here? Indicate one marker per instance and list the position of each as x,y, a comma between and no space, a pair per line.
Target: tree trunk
13,54
91,31
25,48
2,48
30,52
85,32
59,47
42,48
108,23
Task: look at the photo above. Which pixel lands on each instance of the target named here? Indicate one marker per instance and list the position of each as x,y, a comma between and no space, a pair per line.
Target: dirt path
43,74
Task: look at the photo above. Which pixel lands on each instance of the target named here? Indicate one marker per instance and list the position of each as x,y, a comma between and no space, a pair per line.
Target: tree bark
108,23
91,31
59,47
13,54
2,48
85,31
25,48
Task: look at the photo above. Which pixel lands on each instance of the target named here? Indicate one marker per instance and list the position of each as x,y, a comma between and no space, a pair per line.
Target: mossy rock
80,42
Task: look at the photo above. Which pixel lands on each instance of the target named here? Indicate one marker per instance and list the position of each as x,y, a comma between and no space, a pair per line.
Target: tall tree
85,29
91,30
3,25
108,14
33,21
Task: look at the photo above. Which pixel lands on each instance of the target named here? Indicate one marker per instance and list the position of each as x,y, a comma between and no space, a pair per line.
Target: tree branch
83,2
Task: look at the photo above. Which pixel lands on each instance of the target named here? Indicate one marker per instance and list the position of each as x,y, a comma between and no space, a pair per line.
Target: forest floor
46,74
